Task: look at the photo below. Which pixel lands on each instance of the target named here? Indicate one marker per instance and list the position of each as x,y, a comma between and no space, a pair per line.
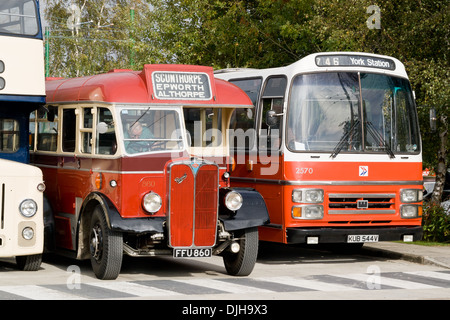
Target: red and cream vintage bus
136,162
334,148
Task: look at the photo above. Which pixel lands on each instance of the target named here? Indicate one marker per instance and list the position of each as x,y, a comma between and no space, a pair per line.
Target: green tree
241,33
98,36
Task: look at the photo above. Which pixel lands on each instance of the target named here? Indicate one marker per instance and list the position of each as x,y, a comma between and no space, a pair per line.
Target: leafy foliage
108,36
436,224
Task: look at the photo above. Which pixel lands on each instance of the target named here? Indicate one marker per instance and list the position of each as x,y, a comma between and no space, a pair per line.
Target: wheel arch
87,208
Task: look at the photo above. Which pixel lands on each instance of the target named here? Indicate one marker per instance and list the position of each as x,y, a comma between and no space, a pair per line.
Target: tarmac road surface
382,271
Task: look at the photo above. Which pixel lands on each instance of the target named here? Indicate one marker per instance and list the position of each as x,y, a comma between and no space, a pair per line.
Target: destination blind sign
354,61
181,85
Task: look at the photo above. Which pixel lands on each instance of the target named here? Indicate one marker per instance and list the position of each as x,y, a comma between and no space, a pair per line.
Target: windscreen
352,112
151,130
204,127
19,17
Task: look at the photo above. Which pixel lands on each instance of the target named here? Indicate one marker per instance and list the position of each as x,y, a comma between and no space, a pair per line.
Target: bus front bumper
352,235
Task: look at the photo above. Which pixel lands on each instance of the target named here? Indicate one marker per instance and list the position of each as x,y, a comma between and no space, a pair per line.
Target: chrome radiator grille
361,203
193,204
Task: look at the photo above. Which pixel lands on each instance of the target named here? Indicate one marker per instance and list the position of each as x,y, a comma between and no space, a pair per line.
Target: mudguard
253,212
117,223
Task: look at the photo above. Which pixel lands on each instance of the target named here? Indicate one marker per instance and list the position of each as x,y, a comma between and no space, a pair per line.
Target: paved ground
385,271
435,255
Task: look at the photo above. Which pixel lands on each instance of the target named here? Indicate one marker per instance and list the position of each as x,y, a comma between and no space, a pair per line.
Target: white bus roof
326,62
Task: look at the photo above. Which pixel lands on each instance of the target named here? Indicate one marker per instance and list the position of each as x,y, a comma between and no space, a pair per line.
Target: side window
9,135
106,142
272,99
242,125
250,86
69,121
47,129
86,130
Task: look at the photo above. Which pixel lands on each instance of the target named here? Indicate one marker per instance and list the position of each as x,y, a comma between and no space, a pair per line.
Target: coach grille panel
181,207
359,203
206,200
193,202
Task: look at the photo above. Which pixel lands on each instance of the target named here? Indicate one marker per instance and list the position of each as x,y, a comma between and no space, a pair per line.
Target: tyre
106,247
243,262
29,263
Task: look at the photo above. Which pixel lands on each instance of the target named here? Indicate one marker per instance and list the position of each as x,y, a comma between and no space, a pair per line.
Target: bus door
262,166
243,137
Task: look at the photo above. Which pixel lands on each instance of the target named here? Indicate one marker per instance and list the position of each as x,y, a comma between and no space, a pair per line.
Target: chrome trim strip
154,105
361,211
361,195
97,170
324,183
272,225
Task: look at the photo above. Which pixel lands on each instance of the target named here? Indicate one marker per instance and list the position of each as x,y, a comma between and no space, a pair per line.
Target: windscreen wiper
344,139
379,139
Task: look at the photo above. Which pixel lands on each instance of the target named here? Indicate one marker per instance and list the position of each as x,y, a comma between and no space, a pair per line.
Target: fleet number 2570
304,170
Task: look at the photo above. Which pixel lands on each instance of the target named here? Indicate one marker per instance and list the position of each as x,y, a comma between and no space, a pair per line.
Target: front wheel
243,262
106,247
